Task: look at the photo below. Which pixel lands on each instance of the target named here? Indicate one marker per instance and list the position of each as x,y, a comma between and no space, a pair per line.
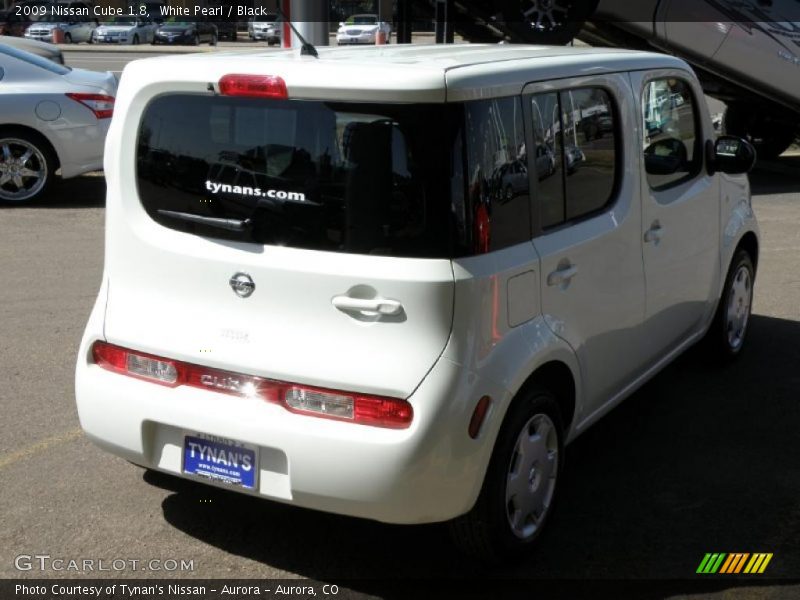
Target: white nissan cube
394,282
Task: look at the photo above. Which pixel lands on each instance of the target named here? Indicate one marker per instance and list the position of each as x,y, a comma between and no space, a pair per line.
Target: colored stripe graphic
711,562
734,563
758,563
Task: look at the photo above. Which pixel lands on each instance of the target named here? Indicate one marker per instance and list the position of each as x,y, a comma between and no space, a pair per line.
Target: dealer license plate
220,459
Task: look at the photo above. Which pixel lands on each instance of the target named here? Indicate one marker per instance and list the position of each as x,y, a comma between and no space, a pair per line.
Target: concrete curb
143,48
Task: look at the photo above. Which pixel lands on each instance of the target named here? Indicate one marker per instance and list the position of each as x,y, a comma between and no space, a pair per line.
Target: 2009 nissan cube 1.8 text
394,282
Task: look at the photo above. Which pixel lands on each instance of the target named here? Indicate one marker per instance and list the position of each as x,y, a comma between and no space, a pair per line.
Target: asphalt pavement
702,459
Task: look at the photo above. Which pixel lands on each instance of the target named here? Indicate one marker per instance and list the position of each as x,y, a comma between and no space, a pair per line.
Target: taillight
100,104
254,86
378,411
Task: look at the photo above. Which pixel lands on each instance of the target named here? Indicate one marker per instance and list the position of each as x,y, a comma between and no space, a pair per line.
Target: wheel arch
749,243
558,378
6,128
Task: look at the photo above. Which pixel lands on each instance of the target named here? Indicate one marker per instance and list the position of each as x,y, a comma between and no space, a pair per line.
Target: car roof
412,73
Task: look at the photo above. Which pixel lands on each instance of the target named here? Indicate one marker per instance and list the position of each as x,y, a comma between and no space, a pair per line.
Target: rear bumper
80,148
346,40
430,472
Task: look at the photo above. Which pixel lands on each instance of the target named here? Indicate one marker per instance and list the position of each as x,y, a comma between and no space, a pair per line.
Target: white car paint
125,30
474,326
362,29
34,98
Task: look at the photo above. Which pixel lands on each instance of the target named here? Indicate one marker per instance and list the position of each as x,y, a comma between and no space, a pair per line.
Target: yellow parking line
39,446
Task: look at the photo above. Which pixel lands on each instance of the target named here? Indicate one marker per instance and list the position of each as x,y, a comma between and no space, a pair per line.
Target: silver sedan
52,118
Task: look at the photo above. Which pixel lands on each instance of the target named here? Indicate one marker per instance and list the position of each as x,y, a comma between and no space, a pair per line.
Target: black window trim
619,160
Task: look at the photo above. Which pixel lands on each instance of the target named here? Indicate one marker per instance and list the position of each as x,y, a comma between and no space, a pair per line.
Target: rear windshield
342,177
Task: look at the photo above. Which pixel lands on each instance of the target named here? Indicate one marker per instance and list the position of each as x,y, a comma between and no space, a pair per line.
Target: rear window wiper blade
227,224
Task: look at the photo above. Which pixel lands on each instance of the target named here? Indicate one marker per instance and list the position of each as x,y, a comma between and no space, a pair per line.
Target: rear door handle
378,306
654,233
562,275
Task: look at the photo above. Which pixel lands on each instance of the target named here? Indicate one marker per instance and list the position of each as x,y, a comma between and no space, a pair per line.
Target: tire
499,526
728,332
21,152
196,40
135,40
213,41
545,21
770,132
67,38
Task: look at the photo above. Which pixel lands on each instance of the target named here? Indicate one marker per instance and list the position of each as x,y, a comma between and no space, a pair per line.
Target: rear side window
360,178
498,190
575,134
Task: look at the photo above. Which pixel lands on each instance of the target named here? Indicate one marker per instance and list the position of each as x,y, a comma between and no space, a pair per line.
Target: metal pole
310,17
441,21
449,13
404,21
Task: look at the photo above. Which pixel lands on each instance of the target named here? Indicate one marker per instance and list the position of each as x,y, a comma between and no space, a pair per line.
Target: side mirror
665,157
341,23
733,155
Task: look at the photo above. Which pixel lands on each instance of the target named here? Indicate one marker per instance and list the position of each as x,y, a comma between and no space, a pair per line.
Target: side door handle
376,306
654,233
562,275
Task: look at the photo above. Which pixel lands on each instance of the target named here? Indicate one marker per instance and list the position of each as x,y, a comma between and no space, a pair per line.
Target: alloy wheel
23,170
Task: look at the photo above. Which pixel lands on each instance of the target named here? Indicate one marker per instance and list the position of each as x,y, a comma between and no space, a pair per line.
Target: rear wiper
227,224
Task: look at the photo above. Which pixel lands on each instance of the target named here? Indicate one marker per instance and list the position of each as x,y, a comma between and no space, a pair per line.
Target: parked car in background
266,27
362,29
51,118
75,31
125,30
186,33
43,49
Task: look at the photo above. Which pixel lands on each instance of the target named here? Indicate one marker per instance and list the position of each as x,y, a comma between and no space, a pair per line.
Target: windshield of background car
266,19
124,21
341,177
33,59
363,21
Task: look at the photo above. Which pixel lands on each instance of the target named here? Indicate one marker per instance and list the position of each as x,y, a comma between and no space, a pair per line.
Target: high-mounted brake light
254,86
100,104
378,411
